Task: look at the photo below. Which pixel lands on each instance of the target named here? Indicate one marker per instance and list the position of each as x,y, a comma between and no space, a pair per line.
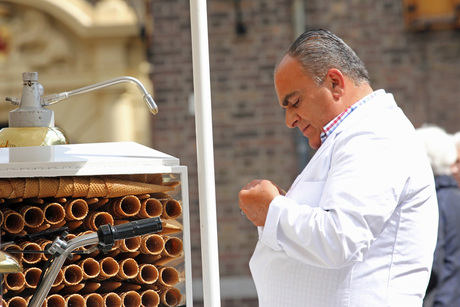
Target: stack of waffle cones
144,270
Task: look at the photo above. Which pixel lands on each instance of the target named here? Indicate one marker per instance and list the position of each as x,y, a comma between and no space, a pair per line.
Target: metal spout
9,264
54,98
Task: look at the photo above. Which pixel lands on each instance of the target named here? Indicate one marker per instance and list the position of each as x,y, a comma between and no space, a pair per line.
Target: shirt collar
333,124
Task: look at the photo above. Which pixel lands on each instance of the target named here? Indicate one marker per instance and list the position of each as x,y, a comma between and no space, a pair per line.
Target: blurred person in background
443,288
456,166
358,226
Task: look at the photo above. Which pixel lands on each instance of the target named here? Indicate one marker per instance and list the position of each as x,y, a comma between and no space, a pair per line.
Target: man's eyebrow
286,99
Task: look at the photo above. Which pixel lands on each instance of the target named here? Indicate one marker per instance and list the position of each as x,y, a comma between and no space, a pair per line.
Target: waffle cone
47,187
90,287
65,188
32,188
81,186
17,186
170,297
108,286
118,188
97,187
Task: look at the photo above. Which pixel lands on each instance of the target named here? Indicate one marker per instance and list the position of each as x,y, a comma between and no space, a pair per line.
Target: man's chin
314,144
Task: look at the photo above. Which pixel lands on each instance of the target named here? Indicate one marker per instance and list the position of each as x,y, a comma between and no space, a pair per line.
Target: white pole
205,155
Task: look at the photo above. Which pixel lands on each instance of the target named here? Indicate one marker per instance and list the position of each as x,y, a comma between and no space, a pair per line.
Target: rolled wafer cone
30,258
147,274
1,217
91,200
59,278
150,207
112,299
113,252
75,299
5,188
55,300
109,268
93,300
61,200
72,289
40,228
15,247
13,222
173,247
4,303
43,243
152,244
171,226
125,255
13,201
33,216
73,274
168,276
127,286
76,209
97,187
172,209
81,186
32,276
150,298
119,188
47,187
130,245
17,301
65,187
14,281
130,299
56,289
54,213
127,269
36,201
90,287
108,286
126,206
153,287
90,267
32,188
147,258
72,225
14,186
169,261
170,297
143,196
94,219
100,202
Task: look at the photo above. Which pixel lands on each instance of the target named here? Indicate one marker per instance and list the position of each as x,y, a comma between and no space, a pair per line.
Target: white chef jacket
358,226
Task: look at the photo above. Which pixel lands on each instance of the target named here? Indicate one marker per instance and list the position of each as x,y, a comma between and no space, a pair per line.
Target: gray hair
319,50
440,148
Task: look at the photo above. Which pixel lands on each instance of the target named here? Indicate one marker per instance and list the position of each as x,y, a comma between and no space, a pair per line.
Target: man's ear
336,82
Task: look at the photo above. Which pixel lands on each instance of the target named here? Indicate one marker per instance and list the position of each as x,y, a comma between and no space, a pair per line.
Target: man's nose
292,119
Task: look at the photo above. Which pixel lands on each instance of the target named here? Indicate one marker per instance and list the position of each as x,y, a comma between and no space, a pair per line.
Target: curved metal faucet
54,98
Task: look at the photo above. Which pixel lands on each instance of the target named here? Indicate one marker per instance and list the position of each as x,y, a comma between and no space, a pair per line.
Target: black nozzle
108,234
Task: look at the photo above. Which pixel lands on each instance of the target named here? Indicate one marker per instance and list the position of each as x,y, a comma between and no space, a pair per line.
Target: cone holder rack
95,184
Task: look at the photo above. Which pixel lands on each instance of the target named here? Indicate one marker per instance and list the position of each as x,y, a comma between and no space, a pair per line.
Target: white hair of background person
440,148
456,137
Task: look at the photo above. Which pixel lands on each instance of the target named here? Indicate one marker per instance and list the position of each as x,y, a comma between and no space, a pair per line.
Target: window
422,15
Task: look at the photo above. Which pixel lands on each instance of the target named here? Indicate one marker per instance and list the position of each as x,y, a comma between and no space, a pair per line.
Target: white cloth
358,226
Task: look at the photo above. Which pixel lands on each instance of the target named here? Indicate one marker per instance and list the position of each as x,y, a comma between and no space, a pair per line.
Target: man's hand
255,198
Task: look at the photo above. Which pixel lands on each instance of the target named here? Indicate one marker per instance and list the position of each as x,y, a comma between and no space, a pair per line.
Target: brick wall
250,138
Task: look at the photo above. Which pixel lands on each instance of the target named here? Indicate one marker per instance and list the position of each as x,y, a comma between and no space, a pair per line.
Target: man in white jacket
358,226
